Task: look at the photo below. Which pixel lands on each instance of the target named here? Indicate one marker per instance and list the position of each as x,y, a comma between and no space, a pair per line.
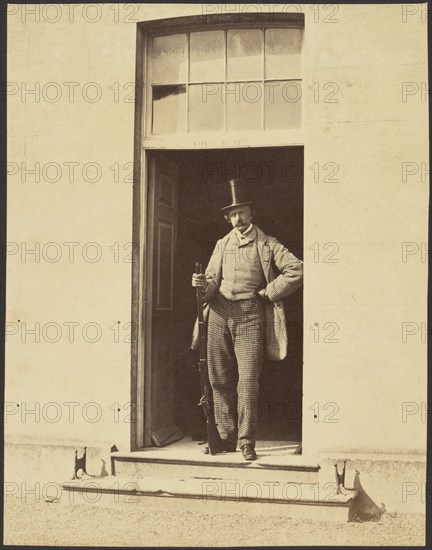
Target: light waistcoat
279,286
242,273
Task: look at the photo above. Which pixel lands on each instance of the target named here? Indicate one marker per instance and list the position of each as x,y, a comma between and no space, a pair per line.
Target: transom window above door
222,80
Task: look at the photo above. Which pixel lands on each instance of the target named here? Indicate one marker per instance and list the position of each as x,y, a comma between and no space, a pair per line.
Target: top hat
239,195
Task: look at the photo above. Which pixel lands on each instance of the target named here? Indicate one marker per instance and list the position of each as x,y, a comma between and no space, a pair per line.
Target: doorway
186,191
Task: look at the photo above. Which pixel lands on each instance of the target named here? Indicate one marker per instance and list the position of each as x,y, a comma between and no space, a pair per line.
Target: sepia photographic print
216,267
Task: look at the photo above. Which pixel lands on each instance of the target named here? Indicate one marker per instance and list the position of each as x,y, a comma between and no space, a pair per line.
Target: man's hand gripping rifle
215,443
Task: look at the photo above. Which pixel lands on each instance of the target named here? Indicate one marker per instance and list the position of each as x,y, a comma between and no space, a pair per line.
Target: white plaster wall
369,373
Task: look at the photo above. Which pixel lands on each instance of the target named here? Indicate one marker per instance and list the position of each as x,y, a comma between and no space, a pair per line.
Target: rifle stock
215,443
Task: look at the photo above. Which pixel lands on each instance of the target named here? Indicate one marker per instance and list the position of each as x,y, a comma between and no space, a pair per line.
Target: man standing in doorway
246,320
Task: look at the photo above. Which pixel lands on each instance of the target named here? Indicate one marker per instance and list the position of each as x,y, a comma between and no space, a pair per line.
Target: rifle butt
215,443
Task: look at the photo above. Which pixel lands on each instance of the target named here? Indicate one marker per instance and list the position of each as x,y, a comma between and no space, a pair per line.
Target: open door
182,225
162,235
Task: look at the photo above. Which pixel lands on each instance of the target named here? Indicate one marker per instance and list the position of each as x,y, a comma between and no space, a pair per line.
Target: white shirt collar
245,232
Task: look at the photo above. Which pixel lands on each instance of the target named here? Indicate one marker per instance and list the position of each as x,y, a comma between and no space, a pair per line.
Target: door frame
139,245
142,302
141,315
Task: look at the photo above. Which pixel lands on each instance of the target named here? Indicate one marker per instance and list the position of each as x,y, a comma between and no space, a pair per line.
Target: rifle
215,443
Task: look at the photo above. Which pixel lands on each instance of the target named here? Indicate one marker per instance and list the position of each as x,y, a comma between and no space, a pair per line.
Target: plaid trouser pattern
235,353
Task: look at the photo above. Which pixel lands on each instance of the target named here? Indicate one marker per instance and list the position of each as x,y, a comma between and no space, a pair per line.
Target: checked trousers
235,353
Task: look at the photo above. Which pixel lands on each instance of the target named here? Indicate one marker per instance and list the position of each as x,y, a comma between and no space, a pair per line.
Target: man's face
240,217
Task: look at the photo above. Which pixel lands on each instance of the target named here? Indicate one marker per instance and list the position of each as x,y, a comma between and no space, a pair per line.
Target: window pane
206,108
283,104
207,56
169,109
283,53
245,54
169,64
244,105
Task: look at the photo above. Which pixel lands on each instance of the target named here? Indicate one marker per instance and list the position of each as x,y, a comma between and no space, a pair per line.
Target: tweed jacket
278,286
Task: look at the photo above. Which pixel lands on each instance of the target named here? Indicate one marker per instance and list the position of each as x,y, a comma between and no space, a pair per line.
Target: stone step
175,464
303,500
